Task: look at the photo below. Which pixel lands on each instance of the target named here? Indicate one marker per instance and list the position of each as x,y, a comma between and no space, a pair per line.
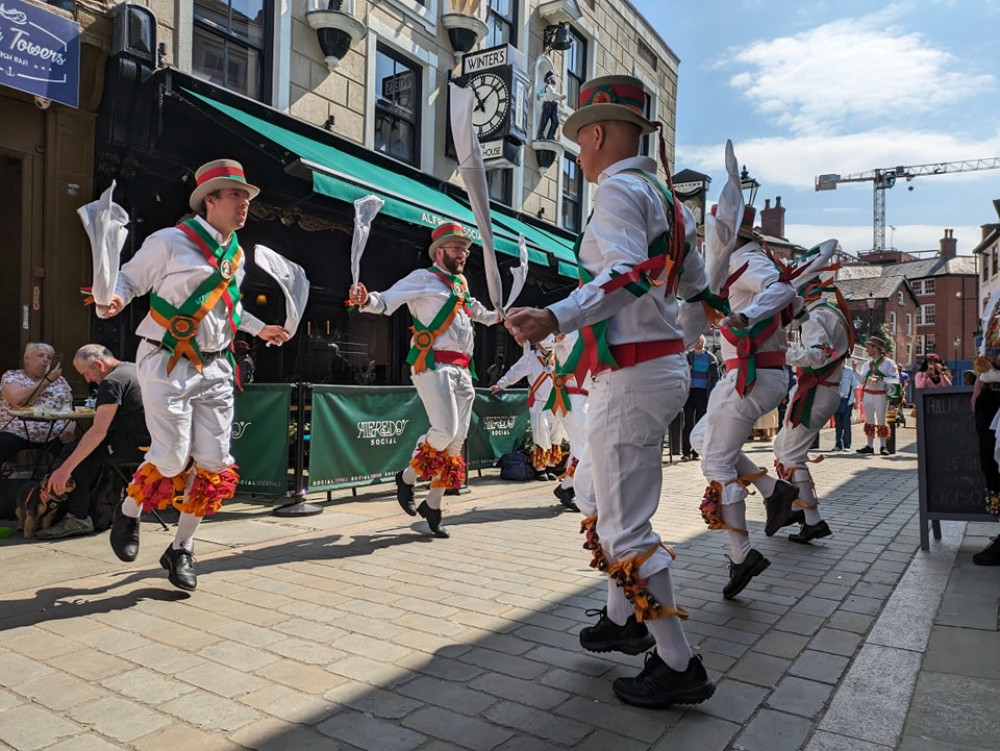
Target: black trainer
811,532
798,516
433,517
778,505
884,451
865,450
658,687
990,555
566,496
740,574
124,535
404,495
180,568
608,636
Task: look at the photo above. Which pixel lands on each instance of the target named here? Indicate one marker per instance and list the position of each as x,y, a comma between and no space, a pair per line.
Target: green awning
346,177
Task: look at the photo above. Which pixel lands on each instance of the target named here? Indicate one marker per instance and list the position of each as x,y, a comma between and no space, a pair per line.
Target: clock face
492,103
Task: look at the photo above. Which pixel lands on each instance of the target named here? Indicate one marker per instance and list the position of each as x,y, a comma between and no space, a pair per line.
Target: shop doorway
14,316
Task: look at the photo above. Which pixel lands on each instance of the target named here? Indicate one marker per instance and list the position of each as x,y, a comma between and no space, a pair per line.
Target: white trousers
719,435
574,424
621,470
447,394
188,414
792,445
875,405
545,426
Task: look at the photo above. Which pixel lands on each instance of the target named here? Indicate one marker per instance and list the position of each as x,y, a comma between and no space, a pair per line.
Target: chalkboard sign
952,487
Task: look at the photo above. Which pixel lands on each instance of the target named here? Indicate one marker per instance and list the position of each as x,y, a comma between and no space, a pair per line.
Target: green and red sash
809,379
181,323
545,375
746,341
421,355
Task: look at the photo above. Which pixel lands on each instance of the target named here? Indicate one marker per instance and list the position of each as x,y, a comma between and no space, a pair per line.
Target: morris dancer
538,366
880,379
185,363
635,255
441,359
753,348
568,401
826,341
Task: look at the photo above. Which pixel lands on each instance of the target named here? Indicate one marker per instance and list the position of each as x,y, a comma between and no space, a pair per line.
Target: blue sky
806,88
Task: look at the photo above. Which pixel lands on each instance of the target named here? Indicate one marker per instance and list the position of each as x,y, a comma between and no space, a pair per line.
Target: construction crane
883,179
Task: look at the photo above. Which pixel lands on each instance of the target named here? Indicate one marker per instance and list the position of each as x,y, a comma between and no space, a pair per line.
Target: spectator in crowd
245,361
845,410
704,368
38,383
118,436
932,373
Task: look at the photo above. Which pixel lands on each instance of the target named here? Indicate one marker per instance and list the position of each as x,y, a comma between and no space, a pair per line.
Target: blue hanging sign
39,52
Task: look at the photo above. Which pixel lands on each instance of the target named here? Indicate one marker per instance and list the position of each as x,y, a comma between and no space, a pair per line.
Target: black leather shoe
884,451
404,495
566,496
865,450
658,687
811,532
990,555
180,568
608,636
778,505
433,517
740,574
798,516
124,535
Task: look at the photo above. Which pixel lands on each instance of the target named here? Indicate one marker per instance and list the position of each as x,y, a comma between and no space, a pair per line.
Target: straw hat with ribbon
621,98
445,233
216,175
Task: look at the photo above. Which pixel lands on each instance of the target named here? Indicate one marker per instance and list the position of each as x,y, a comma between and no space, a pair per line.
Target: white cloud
851,73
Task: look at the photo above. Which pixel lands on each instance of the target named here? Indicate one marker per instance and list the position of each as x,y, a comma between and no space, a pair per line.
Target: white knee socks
671,644
619,609
735,516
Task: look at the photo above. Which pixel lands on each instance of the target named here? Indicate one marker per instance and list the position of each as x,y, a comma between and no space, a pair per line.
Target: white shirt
890,374
628,215
425,294
532,365
757,293
172,266
824,340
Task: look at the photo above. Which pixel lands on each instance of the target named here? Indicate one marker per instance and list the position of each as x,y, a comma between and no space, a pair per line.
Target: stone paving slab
355,629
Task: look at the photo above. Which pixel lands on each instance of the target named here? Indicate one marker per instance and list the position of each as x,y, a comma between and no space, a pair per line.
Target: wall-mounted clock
492,103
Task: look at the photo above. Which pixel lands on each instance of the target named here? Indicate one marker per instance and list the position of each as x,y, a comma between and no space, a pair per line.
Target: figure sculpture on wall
550,96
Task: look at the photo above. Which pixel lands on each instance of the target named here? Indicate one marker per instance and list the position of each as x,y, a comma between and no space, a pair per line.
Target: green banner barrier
260,437
499,424
361,435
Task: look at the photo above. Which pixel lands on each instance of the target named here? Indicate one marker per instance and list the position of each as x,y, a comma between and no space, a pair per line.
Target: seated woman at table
38,384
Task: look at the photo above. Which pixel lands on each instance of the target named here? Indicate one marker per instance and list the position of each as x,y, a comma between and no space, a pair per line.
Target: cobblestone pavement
356,629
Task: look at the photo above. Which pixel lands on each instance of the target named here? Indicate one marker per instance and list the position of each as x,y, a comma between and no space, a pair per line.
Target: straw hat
606,98
216,175
447,232
877,341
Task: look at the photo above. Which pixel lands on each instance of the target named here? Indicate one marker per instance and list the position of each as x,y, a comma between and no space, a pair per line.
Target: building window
994,254
576,68
502,22
647,141
925,315
929,286
397,118
232,43
909,324
501,184
572,194
892,322
931,343
646,53
921,343
899,298
918,286
909,353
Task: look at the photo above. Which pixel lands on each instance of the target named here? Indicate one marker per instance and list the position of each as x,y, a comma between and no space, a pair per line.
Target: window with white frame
921,344
909,353
925,315
397,106
501,20
892,321
909,324
232,45
899,298
576,67
929,286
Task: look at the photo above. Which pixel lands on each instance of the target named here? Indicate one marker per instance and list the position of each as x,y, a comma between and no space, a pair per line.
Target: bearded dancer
826,341
635,254
880,380
538,366
753,348
185,363
440,358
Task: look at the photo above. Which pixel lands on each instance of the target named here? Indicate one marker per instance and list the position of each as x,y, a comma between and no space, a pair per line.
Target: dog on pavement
36,508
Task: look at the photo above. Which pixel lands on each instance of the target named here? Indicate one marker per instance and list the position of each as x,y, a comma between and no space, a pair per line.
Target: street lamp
749,186
871,312
957,343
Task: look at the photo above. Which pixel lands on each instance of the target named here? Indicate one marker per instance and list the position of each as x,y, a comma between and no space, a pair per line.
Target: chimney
772,219
949,245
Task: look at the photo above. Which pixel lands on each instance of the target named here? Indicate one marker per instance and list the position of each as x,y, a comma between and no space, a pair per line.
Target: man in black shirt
117,435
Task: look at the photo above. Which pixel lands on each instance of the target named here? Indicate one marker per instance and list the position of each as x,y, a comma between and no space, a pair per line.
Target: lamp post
749,186
956,344
960,296
871,312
